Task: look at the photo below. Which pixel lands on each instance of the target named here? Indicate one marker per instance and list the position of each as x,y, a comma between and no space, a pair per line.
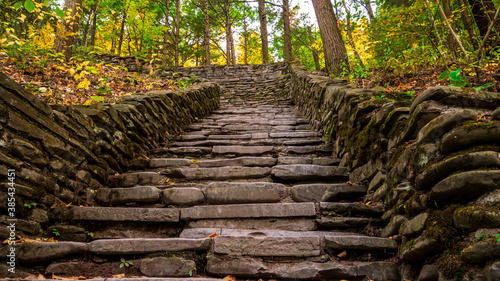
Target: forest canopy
354,38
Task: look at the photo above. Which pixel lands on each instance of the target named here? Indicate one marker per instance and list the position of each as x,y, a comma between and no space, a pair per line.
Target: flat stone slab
131,179
223,173
291,224
351,207
344,221
359,242
240,161
168,162
184,196
268,246
305,134
204,143
141,194
132,246
308,172
117,214
43,251
252,192
230,137
307,149
288,160
190,150
242,150
250,211
168,267
317,191
204,232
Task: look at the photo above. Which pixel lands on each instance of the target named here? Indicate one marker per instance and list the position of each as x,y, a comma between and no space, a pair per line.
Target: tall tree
245,33
122,29
349,35
206,32
287,43
483,13
65,36
333,46
177,30
263,31
314,51
165,35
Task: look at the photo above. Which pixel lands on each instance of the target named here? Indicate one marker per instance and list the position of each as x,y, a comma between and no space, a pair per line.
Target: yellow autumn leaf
84,84
22,17
88,102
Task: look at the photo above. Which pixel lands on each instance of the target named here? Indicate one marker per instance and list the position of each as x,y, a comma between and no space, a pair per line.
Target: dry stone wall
433,161
60,153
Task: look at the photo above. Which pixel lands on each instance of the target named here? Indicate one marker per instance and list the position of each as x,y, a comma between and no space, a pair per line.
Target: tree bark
287,43
482,11
314,51
349,34
336,59
228,32
452,31
245,33
122,29
177,27
467,21
94,24
263,31
65,39
206,33
452,46
165,36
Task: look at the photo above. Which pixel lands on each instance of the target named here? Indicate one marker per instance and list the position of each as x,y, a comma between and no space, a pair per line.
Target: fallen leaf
118,275
213,235
230,278
342,255
51,239
40,277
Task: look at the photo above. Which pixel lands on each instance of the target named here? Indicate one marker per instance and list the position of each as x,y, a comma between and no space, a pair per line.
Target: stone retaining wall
433,161
59,152
264,78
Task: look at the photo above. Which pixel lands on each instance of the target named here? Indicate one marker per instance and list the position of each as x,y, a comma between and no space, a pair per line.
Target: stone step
256,267
142,194
205,143
318,192
304,172
242,150
204,232
283,223
355,208
241,193
267,246
230,137
278,210
169,162
240,161
219,173
199,150
116,214
308,149
346,222
136,178
298,134
84,268
133,246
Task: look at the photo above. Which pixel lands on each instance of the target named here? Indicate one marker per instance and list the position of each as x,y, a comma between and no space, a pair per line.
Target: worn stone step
278,210
308,149
242,150
37,252
345,221
239,193
199,150
240,161
267,246
255,267
309,172
204,143
116,214
204,232
220,173
356,208
142,194
309,141
319,192
283,223
360,242
132,246
137,178
230,137
169,162
299,134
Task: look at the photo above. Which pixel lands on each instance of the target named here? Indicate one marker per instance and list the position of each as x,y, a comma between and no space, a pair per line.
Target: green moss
394,159
478,214
450,261
472,124
458,153
409,245
439,226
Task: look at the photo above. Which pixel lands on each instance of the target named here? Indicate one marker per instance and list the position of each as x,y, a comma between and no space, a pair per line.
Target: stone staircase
250,191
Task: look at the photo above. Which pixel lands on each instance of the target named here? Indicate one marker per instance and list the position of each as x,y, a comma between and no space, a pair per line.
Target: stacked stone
433,161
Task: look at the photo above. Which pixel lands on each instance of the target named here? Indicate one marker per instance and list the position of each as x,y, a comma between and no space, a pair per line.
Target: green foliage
55,232
125,263
91,234
456,78
29,205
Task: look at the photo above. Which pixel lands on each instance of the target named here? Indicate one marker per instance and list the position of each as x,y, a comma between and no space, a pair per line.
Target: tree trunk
245,33
287,43
450,42
336,59
165,36
483,11
177,27
467,21
228,32
314,51
94,24
349,34
122,29
263,31
206,33
65,39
